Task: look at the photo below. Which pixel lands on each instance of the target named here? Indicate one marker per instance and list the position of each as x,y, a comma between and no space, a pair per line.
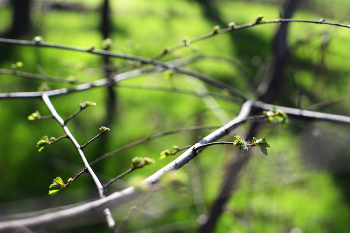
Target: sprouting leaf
42,143
168,74
262,144
239,143
232,25
34,116
139,162
19,64
215,29
276,115
165,154
106,43
72,79
148,161
258,18
136,162
44,87
104,129
57,185
86,104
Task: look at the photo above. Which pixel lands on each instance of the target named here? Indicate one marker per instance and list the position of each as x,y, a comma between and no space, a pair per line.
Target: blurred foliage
297,187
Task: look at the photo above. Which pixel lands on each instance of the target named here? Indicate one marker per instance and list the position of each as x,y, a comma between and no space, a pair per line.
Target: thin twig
118,178
93,139
37,76
151,138
73,115
177,90
327,103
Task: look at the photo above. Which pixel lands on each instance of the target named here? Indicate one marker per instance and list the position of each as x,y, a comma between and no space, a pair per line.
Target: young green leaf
139,162
34,116
239,143
165,154
86,104
215,29
168,74
42,143
57,185
104,129
262,144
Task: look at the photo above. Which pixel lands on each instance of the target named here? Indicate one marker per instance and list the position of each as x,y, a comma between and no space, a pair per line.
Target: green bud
106,43
104,129
34,116
38,39
86,104
44,87
165,154
258,18
139,162
215,30
168,74
136,162
19,64
42,143
232,25
165,50
72,79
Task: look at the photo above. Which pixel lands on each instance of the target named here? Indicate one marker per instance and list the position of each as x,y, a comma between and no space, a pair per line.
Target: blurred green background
302,186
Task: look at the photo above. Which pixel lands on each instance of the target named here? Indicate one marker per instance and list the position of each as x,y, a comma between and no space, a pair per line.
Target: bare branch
98,184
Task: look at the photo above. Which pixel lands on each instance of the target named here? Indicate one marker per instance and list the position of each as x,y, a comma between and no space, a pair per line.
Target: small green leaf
34,116
136,162
52,139
86,104
70,180
148,161
106,43
165,154
262,144
57,185
139,162
168,74
42,143
44,87
72,79
104,129
19,64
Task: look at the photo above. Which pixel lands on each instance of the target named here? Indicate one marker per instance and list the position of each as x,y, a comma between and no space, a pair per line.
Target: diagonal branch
98,184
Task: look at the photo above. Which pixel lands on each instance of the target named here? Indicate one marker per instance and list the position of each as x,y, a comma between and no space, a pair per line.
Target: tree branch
98,184
121,197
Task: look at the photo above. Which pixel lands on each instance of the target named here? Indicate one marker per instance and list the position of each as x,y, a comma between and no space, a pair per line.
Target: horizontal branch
305,114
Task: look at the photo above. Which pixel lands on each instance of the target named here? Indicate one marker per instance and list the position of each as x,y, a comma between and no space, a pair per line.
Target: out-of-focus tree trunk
269,92
20,18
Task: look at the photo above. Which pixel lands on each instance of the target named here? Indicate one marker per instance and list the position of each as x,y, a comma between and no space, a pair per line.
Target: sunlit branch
98,184
121,197
37,76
